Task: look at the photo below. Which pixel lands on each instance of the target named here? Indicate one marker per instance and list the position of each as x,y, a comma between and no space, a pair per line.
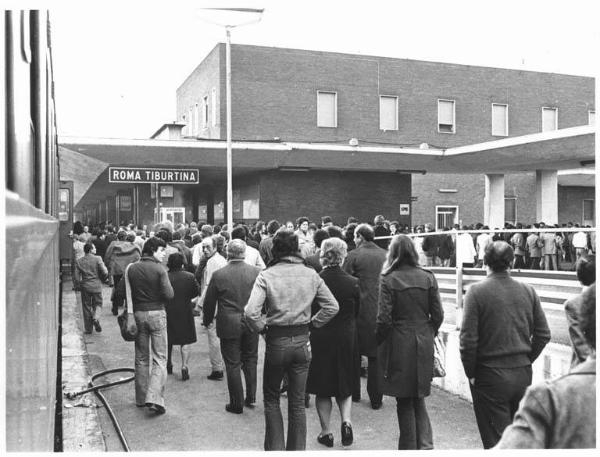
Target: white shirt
482,241
465,251
216,262
253,258
580,240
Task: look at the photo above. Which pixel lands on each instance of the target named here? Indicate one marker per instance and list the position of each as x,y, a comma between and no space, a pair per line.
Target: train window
25,37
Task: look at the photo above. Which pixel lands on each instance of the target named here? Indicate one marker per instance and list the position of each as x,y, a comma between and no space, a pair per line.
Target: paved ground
196,419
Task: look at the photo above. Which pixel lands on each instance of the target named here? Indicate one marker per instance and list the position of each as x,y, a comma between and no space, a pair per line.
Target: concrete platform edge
81,426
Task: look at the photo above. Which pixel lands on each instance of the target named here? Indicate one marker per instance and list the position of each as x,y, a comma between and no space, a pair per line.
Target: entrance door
445,216
175,215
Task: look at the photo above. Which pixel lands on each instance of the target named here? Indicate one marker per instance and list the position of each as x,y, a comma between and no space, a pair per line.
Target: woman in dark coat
409,316
181,327
335,360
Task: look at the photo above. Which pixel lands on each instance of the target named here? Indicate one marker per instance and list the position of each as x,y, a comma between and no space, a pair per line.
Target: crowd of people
334,304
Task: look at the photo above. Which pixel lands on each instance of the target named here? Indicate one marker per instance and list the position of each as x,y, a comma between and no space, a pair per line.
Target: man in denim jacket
286,291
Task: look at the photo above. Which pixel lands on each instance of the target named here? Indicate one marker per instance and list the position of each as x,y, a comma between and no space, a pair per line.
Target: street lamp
228,26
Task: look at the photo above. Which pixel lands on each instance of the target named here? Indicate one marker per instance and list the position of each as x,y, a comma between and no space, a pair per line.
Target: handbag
439,357
126,319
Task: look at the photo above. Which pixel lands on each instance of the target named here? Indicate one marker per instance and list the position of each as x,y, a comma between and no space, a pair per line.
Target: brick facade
274,95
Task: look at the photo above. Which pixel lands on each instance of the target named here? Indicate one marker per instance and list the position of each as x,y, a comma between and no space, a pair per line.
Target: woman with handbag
409,316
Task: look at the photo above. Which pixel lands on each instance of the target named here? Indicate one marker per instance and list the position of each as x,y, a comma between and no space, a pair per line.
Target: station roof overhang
87,159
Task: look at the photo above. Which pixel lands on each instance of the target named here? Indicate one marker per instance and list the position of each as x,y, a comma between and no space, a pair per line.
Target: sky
118,64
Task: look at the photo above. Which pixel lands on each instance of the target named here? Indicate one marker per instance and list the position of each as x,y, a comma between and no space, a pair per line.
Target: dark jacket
557,414
504,325
314,261
380,230
431,245
150,285
581,349
365,263
229,288
409,315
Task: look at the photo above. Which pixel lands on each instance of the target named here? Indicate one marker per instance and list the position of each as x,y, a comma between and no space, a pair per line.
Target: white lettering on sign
153,175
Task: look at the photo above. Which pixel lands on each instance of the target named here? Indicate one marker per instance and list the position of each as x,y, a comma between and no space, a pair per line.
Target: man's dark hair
272,227
366,231
300,220
285,243
586,269
319,236
164,235
175,261
152,244
176,235
334,232
326,220
352,220
121,235
587,315
499,256
239,233
87,248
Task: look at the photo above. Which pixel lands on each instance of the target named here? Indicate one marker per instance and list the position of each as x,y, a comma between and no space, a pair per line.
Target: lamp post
228,26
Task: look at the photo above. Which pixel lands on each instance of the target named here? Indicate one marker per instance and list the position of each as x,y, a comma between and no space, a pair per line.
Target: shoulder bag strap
128,291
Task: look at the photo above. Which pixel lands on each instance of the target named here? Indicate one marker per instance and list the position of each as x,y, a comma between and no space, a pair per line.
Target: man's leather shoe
376,405
215,376
249,402
326,440
356,398
232,409
97,326
347,435
115,311
156,408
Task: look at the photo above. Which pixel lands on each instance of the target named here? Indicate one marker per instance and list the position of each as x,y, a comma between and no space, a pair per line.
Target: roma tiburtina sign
153,175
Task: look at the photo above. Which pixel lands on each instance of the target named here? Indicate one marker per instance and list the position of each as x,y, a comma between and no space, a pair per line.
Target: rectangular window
499,119
510,210
388,112
214,107
205,112
591,117
196,119
446,116
589,217
326,109
445,216
549,119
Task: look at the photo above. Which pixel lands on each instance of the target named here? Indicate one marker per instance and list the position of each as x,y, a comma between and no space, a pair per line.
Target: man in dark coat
365,263
90,273
229,289
503,331
381,230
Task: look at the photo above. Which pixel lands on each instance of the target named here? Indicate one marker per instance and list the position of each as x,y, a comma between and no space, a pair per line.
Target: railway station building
320,133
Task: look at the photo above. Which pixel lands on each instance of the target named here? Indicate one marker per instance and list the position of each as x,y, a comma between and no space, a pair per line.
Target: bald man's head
499,256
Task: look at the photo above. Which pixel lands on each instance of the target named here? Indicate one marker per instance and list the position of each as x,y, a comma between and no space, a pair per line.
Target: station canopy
86,161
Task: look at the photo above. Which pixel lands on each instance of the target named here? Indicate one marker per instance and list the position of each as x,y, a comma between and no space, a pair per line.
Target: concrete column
493,203
546,196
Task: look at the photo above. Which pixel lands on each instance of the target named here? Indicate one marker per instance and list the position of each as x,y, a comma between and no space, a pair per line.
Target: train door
65,219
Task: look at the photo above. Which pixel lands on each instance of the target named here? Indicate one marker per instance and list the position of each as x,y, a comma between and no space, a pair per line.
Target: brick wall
570,202
275,95
288,195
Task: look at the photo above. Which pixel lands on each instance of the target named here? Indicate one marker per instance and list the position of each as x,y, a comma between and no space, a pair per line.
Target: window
205,112
510,210
214,107
588,212
549,119
190,126
446,114
499,119
388,112
196,119
592,117
326,109
445,216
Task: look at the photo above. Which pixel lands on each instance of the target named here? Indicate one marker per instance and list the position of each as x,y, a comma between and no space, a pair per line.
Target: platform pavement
196,418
